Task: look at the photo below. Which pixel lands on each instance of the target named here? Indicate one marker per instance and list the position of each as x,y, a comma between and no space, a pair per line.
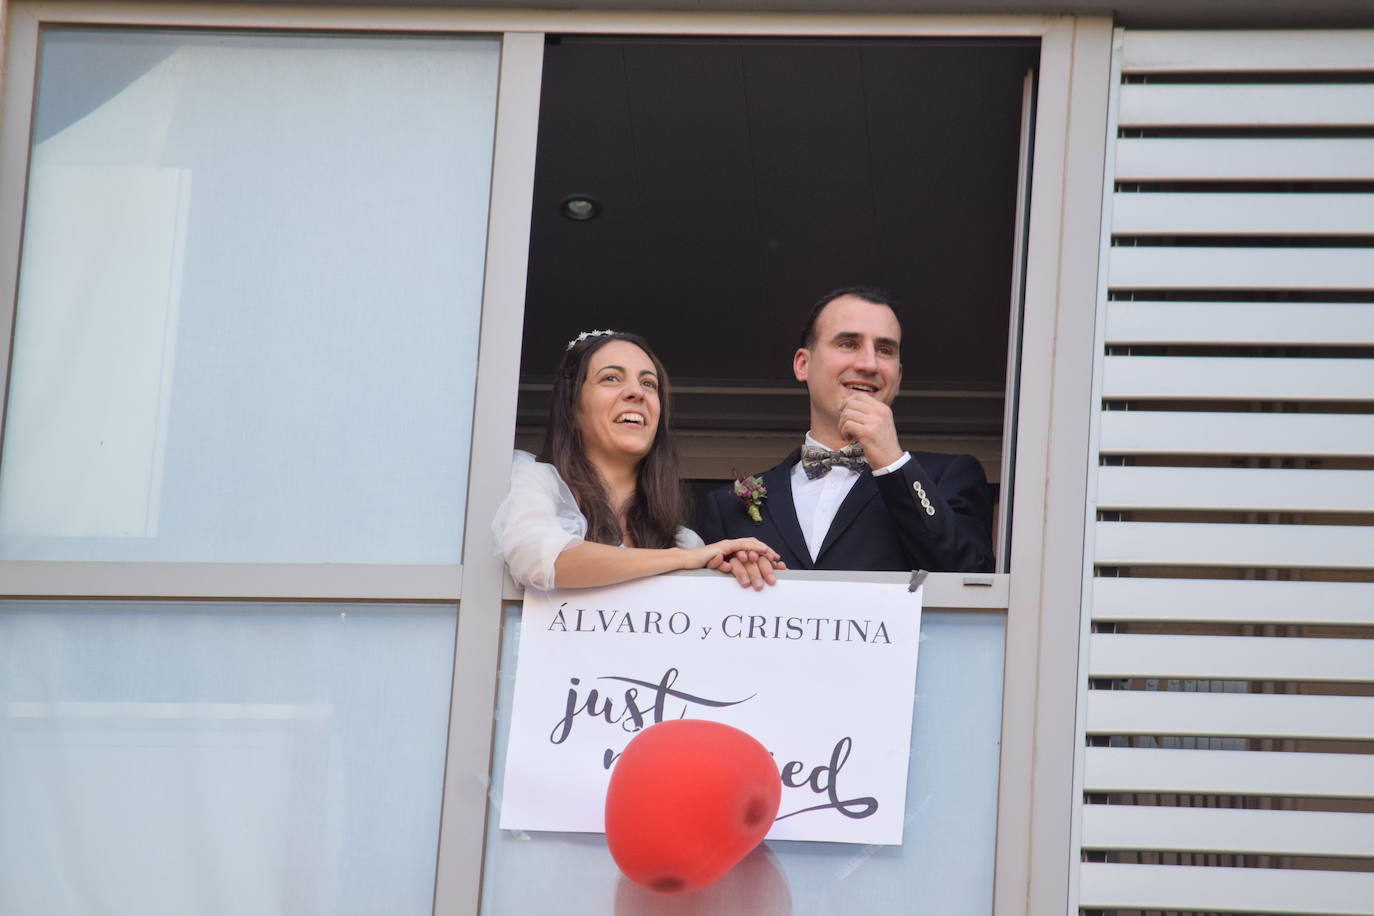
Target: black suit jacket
882,523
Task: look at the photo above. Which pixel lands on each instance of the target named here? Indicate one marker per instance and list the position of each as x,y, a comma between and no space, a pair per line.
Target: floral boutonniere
752,493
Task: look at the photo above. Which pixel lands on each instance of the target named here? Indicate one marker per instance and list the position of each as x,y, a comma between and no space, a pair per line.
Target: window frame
1041,598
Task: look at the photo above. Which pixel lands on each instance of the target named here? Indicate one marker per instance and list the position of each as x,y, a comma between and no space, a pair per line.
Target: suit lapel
860,494
780,509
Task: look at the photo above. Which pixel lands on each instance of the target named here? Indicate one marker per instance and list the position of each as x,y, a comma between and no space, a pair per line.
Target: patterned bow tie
817,462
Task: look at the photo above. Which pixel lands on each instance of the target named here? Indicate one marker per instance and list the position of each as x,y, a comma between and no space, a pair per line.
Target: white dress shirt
817,501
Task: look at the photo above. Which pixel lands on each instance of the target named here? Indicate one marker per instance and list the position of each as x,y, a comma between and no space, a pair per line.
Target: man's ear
800,361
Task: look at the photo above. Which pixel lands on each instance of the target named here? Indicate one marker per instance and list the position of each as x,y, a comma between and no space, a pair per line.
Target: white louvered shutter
1229,696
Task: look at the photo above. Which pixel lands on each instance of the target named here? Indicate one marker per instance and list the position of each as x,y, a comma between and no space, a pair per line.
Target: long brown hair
659,504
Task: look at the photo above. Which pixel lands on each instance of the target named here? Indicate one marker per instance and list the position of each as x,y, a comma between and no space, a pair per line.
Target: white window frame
1041,597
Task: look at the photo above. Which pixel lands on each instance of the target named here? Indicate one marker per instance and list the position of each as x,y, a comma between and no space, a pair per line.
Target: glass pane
945,862
249,298
244,760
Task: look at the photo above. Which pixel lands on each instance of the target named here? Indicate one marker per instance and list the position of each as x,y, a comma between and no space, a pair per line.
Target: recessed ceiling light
580,207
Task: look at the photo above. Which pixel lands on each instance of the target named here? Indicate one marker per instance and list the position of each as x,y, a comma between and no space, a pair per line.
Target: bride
603,503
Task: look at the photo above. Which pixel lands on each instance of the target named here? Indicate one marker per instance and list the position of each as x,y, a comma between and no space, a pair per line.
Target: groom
851,497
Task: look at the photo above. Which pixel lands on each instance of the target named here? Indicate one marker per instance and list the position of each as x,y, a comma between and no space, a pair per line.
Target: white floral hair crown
585,334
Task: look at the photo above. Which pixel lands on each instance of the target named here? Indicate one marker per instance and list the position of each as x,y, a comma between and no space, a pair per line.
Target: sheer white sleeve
538,520
687,539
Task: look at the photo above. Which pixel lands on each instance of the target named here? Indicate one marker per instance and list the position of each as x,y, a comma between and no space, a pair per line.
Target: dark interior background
738,180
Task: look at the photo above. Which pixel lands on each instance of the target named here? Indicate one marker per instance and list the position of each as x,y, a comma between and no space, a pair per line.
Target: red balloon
687,800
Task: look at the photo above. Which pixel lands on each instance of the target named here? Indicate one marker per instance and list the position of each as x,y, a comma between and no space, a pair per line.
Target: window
248,298
737,180
243,365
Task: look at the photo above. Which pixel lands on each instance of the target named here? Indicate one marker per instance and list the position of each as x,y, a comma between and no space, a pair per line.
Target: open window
705,192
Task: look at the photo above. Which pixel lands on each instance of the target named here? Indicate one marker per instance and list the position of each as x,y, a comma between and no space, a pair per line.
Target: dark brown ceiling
739,180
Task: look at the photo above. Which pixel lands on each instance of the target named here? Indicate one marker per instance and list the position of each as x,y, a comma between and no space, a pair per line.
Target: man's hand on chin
869,421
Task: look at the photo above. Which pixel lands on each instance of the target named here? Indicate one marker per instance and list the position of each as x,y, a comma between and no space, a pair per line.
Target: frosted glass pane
228,759
249,298
945,862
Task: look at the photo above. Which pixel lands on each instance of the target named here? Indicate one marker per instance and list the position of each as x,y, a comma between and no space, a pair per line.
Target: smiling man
851,497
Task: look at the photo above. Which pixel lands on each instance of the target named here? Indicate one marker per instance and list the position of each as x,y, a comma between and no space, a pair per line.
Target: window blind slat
1237,600
1284,833
1229,715
1241,323
1229,890
1165,213
1230,657
1147,432
1249,105
1236,489
1237,378
1220,51
1160,267
1235,159
1201,772
1275,546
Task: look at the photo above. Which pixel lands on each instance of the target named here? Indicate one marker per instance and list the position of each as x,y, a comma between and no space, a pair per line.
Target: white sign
823,674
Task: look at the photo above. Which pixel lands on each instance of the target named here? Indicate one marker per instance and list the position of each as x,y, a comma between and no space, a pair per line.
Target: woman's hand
749,560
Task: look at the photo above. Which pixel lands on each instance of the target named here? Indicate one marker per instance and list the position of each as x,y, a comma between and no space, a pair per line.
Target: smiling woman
617,415
603,503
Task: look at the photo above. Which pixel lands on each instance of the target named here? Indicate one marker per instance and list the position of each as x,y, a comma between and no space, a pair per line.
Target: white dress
539,519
